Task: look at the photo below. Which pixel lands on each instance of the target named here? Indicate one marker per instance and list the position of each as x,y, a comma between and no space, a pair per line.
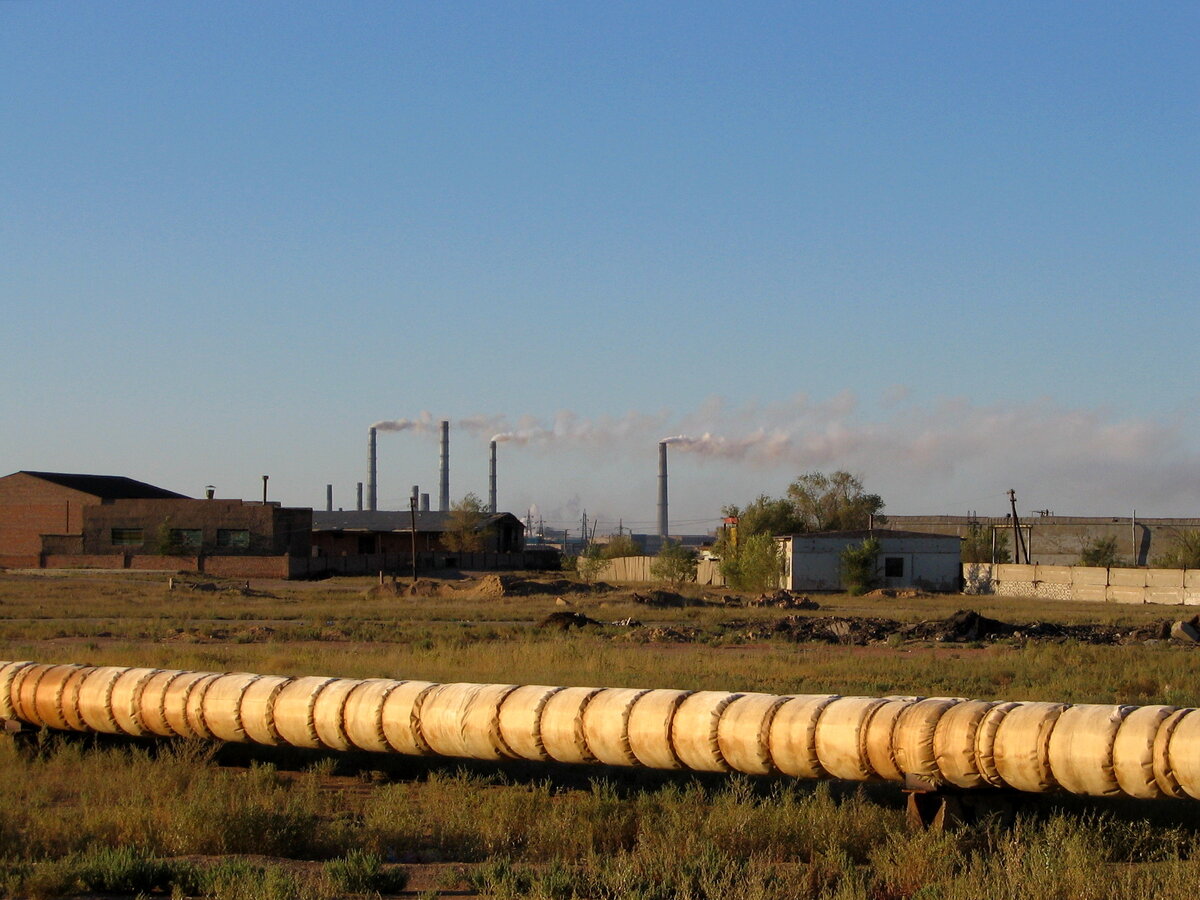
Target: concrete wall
1058,540
1082,583
636,570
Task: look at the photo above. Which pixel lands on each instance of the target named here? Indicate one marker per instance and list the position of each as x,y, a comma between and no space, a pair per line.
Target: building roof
864,533
395,520
107,487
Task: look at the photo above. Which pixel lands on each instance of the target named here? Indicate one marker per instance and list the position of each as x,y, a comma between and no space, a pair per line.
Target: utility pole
412,514
1019,548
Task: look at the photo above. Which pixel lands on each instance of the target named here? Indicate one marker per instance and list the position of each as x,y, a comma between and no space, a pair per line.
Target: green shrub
674,564
361,872
859,563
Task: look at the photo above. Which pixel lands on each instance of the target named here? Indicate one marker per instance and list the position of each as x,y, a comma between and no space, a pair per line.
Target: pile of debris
964,626
783,599
661,599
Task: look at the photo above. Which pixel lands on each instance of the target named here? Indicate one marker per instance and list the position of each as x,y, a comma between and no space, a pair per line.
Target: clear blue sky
950,247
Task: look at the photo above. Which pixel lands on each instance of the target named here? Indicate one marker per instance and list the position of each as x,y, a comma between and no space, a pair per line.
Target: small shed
907,559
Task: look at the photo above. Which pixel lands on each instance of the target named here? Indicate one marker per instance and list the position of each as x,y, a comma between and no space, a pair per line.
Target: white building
907,559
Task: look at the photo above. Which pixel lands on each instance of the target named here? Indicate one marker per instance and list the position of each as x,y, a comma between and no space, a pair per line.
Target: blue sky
949,247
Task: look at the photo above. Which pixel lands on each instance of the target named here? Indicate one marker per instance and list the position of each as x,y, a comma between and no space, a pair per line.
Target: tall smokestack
329,498
492,480
444,491
360,496
424,503
372,472
662,489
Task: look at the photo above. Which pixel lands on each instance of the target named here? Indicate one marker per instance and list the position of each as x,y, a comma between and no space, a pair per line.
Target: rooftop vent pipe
492,480
662,489
372,484
444,491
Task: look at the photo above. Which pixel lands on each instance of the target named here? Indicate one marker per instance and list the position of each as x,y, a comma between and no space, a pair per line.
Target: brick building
371,532
54,514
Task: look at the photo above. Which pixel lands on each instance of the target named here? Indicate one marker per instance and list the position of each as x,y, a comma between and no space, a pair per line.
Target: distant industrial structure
1059,540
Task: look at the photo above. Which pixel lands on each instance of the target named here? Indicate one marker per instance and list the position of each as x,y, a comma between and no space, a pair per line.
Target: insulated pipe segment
8,672
1081,749
606,725
880,737
562,730
364,714
1143,752
954,743
744,732
649,728
913,737
1022,746
695,731
521,720
793,735
1133,751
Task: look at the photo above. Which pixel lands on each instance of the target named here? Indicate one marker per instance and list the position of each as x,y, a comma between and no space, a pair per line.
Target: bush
1184,555
1101,553
362,872
860,566
756,564
674,564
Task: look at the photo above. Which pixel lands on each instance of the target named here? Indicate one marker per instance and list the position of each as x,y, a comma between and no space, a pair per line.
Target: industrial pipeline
1139,751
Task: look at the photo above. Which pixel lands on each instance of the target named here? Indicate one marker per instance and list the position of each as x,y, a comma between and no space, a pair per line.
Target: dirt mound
565,621
663,599
895,593
495,586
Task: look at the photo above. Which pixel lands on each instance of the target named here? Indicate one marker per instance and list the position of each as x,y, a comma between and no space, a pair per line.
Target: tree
977,545
1184,555
834,502
620,545
860,566
674,564
756,566
590,563
464,533
1100,552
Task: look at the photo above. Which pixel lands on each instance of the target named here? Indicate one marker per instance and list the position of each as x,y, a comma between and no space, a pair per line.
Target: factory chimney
492,480
329,498
444,491
662,489
424,503
360,496
372,484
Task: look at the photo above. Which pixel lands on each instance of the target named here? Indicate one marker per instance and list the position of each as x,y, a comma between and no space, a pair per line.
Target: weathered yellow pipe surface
1145,752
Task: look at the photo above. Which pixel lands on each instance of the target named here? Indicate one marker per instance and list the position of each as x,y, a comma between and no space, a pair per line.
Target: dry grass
126,818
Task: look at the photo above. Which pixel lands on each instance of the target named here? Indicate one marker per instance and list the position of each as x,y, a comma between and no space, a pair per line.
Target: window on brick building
233,538
127,537
188,538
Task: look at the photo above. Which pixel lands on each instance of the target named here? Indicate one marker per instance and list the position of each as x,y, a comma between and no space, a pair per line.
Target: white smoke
948,448
423,424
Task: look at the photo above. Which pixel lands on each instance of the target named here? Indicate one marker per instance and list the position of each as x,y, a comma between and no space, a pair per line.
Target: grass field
122,818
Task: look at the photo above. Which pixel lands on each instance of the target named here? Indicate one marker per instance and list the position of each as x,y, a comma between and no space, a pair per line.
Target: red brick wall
85,561
169,563
31,507
247,566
